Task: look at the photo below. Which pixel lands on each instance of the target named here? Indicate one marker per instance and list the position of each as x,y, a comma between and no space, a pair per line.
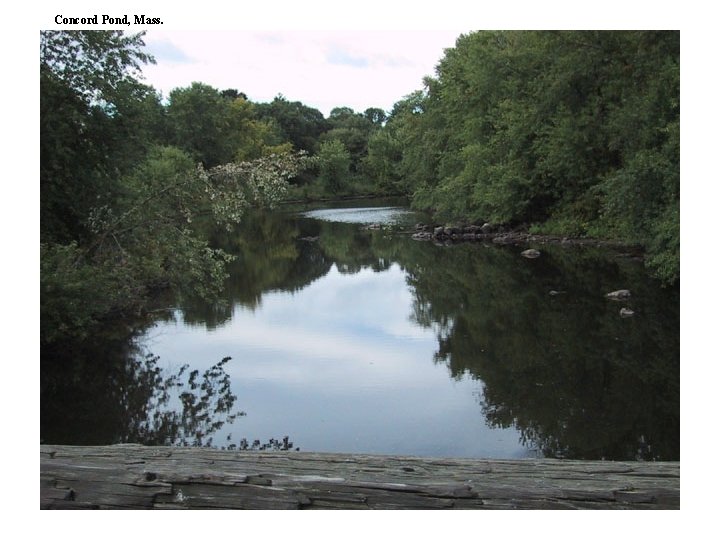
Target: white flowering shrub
230,189
148,239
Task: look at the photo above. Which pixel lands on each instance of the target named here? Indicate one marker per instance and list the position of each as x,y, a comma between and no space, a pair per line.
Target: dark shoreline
501,236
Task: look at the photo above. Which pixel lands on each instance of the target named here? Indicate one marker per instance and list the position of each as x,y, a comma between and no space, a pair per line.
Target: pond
340,333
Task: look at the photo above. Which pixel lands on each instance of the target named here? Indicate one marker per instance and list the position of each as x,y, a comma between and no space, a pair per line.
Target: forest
571,133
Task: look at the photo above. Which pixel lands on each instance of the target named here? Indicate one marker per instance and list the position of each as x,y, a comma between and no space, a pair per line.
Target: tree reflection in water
573,377
566,370
206,402
127,397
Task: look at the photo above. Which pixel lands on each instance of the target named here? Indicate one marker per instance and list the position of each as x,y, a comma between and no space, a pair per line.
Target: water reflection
344,337
341,367
382,214
576,379
116,394
564,370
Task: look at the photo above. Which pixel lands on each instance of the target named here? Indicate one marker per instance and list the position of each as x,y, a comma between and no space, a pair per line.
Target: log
145,477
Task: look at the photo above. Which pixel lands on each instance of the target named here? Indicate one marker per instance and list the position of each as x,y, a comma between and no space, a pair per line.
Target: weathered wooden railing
133,476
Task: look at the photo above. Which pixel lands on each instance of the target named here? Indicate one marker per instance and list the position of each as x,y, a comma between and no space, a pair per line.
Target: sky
20,209
322,68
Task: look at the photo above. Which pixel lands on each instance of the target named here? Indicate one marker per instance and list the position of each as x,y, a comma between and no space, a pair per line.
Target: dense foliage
572,133
95,118
124,178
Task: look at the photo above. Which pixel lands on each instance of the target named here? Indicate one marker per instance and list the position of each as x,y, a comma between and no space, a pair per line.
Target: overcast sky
322,69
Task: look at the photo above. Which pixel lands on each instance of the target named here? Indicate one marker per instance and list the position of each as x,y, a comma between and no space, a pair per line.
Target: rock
309,238
530,254
486,228
621,294
625,312
555,293
438,231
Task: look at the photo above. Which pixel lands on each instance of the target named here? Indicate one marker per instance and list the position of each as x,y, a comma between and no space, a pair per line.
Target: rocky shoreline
500,235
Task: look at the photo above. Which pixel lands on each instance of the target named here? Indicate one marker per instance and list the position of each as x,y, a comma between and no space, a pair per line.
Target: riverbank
501,235
497,234
144,477
341,198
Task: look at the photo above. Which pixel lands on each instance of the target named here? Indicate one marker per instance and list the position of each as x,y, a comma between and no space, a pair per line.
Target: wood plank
134,476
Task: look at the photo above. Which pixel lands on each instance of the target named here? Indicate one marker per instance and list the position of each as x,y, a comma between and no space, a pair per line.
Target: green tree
299,124
147,241
96,119
383,161
219,127
574,132
334,165
204,123
353,130
118,209
254,138
376,116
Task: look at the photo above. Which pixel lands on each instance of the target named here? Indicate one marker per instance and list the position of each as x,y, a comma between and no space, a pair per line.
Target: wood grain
134,476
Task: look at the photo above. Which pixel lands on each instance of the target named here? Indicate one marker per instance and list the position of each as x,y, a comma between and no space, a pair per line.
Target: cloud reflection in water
339,366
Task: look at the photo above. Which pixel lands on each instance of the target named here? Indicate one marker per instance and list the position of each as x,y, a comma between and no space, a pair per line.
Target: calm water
349,337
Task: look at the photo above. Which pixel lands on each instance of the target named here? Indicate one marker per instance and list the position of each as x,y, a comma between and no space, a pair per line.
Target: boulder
530,254
621,294
626,312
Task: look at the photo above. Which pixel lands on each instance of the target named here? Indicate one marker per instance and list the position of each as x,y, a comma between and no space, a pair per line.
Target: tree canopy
572,133
569,133
124,178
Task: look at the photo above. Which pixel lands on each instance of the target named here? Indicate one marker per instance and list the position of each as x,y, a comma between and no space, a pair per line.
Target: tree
334,164
383,160
94,63
118,207
299,124
96,119
376,116
203,123
219,127
233,94
146,240
575,133
353,130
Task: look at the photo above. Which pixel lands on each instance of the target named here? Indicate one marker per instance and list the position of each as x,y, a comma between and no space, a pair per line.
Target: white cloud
322,69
